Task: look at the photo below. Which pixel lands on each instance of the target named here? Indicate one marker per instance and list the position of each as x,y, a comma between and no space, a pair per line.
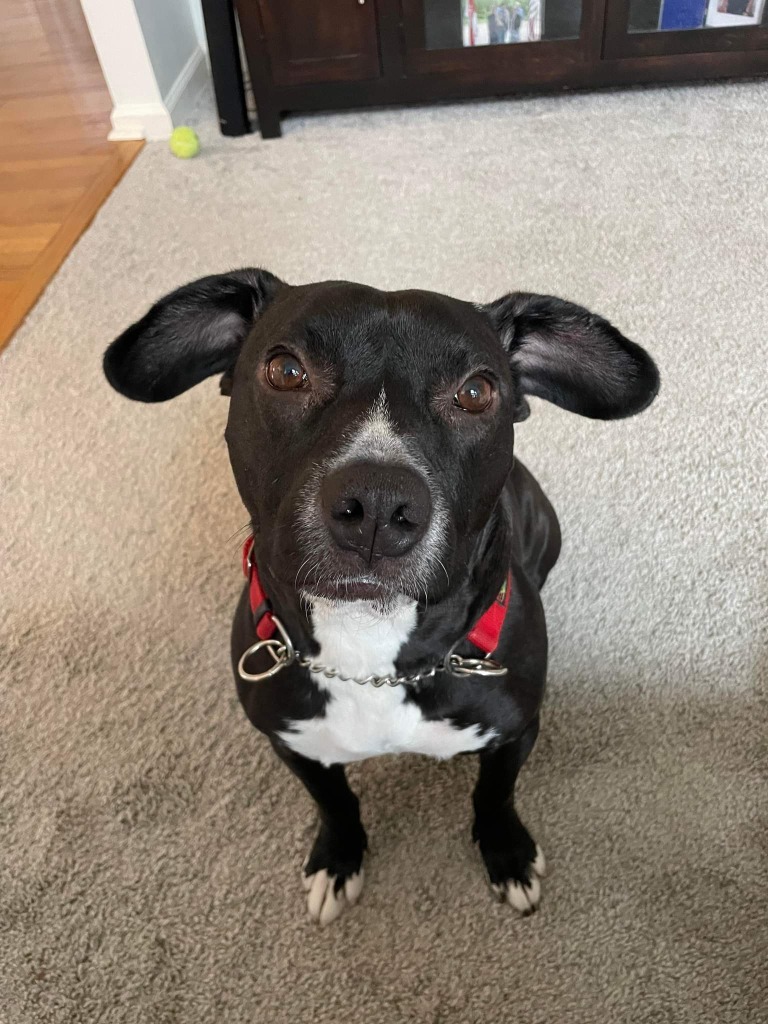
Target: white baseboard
155,121
140,121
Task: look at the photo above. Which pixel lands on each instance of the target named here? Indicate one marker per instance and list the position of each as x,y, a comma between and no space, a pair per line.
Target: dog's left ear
192,333
569,356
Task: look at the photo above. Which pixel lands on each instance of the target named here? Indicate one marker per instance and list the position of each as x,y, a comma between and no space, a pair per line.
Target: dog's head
371,432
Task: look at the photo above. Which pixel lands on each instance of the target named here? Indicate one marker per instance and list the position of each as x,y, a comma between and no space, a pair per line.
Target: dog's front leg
333,871
512,859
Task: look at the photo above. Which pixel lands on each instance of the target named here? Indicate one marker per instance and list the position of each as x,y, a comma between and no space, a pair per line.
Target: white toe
333,904
306,881
540,864
517,898
353,887
524,898
317,894
323,902
533,892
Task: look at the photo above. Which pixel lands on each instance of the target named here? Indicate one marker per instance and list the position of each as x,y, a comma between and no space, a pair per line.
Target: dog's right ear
190,334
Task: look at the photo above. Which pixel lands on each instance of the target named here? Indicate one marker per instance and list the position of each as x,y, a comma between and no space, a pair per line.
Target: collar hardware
282,652
484,634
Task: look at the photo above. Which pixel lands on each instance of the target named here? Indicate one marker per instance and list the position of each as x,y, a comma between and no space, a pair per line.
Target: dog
398,548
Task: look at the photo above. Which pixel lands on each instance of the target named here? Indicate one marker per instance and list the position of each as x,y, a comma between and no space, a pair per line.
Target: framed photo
678,14
501,21
734,13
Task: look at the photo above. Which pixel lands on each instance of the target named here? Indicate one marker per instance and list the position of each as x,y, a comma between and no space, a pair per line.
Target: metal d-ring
458,666
282,652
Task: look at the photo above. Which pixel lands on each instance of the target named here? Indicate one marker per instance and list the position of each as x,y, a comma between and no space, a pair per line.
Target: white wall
169,33
153,63
196,11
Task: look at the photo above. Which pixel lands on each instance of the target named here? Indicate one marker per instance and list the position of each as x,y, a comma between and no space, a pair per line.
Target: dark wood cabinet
328,41
630,32
325,54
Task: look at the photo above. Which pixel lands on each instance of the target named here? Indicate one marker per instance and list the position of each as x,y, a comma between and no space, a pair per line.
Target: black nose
376,509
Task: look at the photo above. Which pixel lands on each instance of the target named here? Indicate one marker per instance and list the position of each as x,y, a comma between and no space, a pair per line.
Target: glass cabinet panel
452,24
677,15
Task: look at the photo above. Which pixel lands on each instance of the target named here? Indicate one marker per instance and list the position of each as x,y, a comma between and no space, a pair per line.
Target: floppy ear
187,336
572,357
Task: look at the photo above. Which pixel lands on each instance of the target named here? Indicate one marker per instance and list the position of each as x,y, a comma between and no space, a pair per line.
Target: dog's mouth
341,576
352,588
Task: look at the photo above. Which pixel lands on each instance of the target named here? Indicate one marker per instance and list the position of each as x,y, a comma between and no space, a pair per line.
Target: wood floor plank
31,79
15,176
87,145
52,105
50,131
8,292
34,205
49,261
21,250
56,166
10,233
39,49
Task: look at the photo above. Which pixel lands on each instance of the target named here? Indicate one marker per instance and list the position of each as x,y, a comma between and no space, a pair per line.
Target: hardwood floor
56,166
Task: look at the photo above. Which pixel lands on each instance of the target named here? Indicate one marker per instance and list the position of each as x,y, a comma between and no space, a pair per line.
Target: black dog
396,540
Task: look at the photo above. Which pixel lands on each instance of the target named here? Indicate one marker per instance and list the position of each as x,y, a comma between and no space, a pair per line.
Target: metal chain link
284,653
333,673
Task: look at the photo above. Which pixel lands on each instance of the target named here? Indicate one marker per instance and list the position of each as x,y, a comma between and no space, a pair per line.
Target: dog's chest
365,721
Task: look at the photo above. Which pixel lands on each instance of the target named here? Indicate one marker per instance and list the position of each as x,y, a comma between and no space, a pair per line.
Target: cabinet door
645,28
500,40
320,40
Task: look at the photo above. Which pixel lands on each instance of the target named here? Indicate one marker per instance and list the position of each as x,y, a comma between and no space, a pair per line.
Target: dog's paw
330,895
514,863
333,874
523,893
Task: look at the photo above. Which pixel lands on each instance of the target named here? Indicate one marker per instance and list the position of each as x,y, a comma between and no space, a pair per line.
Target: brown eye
474,395
286,373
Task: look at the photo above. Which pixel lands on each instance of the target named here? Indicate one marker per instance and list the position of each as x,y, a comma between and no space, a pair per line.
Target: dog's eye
474,395
286,373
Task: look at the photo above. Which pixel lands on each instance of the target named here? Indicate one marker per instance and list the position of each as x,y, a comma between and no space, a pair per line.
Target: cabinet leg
269,121
226,70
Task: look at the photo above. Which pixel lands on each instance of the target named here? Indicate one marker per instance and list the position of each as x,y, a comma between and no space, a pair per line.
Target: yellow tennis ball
184,142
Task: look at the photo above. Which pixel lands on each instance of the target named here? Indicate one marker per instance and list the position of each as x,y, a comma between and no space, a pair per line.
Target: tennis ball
184,142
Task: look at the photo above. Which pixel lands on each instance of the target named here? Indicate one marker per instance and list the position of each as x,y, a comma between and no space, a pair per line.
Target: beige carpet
150,845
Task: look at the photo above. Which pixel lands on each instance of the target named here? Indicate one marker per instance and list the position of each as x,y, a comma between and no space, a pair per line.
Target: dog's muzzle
375,509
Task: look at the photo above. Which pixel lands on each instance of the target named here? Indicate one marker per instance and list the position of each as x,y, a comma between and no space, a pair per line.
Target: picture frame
501,23
734,13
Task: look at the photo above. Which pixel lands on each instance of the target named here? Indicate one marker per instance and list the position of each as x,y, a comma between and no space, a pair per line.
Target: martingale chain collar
273,637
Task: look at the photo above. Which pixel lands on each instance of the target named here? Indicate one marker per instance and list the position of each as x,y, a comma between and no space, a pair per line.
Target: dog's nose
376,509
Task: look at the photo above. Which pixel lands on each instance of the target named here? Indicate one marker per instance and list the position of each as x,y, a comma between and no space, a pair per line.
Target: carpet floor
150,845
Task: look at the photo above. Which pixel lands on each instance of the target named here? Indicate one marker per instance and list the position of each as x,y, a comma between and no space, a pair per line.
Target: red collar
484,634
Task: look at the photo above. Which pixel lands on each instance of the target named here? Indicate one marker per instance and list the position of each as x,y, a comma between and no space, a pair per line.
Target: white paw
323,902
525,898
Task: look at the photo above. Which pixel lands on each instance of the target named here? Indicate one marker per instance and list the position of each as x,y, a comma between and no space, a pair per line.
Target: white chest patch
364,721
